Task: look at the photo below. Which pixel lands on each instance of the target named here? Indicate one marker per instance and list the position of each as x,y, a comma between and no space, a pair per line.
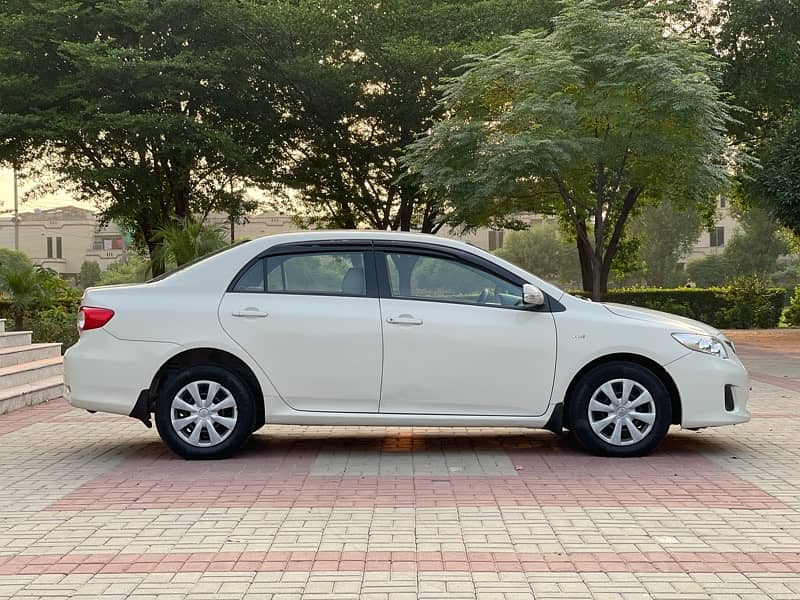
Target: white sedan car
375,328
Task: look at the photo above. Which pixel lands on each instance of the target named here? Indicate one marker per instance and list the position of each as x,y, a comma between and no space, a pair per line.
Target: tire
620,427
215,408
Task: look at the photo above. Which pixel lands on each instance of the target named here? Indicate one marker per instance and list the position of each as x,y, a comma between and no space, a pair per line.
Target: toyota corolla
367,328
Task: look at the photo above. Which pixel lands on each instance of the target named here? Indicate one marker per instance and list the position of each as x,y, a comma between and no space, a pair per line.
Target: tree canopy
775,184
759,43
149,109
591,121
366,73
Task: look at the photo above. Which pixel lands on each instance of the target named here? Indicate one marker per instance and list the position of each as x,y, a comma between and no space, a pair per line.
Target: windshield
195,261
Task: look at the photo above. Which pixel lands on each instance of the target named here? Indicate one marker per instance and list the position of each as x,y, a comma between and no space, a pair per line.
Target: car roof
361,234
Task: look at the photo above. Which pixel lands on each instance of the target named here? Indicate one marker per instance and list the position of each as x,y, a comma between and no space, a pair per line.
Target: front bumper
702,380
106,374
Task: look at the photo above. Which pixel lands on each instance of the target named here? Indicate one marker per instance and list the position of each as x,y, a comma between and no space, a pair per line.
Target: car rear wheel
620,409
204,412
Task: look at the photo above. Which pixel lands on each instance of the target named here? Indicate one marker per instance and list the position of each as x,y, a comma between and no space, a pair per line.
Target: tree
591,121
133,269
776,184
28,286
185,240
542,251
712,271
149,109
90,273
667,235
364,76
753,251
758,41
13,259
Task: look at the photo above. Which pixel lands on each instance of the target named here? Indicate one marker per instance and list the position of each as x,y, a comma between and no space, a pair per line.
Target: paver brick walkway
93,506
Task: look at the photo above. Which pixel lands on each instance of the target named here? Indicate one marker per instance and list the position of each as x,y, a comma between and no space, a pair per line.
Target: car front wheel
204,412
620,409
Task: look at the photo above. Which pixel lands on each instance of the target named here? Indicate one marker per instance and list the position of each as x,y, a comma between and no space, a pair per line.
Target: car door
310,317
457,340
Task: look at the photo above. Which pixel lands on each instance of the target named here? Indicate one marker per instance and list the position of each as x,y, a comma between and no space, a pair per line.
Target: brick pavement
93,506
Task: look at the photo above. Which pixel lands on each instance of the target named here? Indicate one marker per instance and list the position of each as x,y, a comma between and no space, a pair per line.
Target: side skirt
407,420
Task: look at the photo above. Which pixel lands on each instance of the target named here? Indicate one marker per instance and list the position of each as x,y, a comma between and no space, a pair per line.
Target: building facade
713,241
63,238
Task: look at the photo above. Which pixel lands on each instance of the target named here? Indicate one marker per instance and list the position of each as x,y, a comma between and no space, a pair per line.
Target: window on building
717,237
722,202
58,248
495,240
49,247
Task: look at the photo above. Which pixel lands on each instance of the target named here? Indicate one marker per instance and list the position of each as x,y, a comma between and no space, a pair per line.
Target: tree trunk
585,259
600,283
406,210
157,265
19,318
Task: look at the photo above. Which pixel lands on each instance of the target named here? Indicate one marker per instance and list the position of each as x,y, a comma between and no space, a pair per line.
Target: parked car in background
377,328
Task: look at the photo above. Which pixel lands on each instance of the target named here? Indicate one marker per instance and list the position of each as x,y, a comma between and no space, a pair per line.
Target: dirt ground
781,340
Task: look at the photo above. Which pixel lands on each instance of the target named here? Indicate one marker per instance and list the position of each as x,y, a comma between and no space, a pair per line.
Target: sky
49,201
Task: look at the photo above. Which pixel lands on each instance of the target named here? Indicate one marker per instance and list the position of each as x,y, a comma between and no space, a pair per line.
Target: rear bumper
702,380
103,373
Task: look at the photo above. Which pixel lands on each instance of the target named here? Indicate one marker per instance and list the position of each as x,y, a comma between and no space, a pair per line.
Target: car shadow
282,449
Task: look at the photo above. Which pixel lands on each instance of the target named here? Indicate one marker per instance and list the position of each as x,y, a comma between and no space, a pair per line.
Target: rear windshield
195,261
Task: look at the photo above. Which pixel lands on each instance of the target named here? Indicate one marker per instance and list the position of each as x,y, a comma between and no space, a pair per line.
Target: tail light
91,317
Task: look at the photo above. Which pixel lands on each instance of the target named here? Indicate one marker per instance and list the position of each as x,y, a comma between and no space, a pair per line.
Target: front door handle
404,320
250,311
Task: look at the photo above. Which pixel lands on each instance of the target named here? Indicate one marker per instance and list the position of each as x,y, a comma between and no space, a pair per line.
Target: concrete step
31,372
29,394
16,355
9,339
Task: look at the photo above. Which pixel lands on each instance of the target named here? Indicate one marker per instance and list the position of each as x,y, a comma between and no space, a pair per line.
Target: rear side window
253,279
329,273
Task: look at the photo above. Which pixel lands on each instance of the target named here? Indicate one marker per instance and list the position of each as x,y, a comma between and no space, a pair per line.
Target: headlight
702,343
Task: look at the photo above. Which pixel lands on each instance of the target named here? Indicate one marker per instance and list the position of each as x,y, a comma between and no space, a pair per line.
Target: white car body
328,359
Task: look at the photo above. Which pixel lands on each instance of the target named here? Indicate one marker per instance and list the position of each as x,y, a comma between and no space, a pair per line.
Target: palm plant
26,286
185,240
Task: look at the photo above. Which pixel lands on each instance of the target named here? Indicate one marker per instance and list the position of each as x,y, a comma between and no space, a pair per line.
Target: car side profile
380,328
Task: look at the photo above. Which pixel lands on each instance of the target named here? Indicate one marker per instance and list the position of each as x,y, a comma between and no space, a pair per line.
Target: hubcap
622,412
203,413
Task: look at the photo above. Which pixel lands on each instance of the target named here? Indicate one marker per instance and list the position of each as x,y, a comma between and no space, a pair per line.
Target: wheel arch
638,359
212,356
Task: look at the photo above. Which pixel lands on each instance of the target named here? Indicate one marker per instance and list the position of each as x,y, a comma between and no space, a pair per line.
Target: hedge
54,324
743,306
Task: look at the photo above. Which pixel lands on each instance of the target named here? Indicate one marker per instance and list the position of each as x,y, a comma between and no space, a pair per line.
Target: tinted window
252,280
317,273
434,278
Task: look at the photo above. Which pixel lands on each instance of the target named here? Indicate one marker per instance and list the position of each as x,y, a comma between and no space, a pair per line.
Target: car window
252,280
435,278
317,273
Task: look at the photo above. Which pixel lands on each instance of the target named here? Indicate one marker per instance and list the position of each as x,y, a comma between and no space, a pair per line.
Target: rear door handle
404,320
251,312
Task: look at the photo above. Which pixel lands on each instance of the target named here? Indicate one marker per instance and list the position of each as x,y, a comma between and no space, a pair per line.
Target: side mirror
532,295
